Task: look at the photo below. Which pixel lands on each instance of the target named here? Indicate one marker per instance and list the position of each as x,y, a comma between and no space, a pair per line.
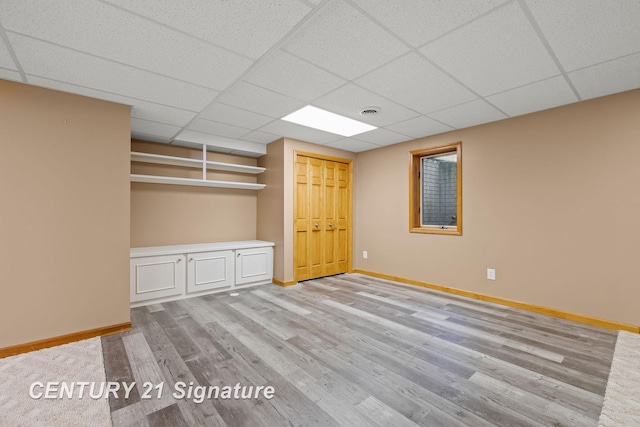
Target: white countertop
197,247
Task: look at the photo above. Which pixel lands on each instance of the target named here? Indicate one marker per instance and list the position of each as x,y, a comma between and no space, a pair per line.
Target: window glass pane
439,190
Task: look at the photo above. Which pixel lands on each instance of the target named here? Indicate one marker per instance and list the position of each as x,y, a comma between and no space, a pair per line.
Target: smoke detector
370,111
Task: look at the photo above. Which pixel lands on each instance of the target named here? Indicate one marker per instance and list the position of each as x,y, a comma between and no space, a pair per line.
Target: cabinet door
157,277
209,270
254,265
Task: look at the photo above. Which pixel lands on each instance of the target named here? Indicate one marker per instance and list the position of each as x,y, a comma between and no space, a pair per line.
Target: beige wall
64,219
176,214
270,204
550,200
275,206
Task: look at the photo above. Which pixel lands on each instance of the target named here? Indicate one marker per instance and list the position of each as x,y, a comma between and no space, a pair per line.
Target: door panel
322,218
343,217
330,220
301,218
316,209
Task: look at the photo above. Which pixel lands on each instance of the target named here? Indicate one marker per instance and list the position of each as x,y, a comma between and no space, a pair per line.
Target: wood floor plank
146,370
281,302
381,414
351,350
545,411
167,417
467,354
117,363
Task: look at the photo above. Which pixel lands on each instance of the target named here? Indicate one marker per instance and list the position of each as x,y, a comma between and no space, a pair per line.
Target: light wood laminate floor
352,350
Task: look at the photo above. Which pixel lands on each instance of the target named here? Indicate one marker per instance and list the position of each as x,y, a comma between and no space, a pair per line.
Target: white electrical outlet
491,274
364,254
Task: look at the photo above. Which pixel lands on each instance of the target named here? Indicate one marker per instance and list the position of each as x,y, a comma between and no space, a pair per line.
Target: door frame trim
348,162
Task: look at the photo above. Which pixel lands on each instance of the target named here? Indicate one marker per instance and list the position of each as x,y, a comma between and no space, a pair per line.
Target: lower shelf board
152,179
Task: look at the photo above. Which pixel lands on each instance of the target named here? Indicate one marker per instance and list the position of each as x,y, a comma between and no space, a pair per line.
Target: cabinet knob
316,225
179,259
330,224
190,259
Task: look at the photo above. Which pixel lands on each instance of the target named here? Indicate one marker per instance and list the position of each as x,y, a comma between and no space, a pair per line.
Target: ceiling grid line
545,42
433,63
12,53
224,73
472,20
112,61
314,12
177,30
114,93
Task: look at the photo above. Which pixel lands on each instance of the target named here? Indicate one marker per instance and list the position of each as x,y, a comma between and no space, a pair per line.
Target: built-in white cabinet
157,277
165,273
209,270
254,265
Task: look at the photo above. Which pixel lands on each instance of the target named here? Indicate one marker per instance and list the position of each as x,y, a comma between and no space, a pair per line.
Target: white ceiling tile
420,21
583,33
469,114
53,62
290,76
141,109
353,145
160,113
261,137
246,26
215,128
414,82
342,40
198,146
538,96
152,138
175,61
153,128
10,75
498,52
6,61
137,42
217,142
419,127
350,99
303,133
610,77
253,98
234,116
381,136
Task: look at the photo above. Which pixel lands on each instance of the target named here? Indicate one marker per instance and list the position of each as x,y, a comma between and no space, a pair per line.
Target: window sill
457,231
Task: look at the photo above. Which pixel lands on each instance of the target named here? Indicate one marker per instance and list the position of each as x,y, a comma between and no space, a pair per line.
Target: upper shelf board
193,163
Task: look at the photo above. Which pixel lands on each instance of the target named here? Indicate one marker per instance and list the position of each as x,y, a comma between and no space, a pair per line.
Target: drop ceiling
225,72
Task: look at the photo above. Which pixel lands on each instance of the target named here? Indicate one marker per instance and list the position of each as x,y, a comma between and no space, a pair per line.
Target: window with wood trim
435,190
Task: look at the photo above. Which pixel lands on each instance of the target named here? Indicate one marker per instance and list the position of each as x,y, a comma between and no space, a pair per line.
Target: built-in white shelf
165,160
153,179
230,167
202,164
193,163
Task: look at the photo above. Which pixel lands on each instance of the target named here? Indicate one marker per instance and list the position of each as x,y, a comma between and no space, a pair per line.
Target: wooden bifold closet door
322,217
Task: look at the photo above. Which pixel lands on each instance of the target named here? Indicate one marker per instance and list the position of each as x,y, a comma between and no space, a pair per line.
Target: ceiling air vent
370,111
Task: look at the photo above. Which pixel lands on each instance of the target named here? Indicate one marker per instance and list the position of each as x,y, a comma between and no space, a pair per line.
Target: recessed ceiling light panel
327,121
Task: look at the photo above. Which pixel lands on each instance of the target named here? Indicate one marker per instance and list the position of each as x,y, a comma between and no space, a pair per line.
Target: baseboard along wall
589,320
63,339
